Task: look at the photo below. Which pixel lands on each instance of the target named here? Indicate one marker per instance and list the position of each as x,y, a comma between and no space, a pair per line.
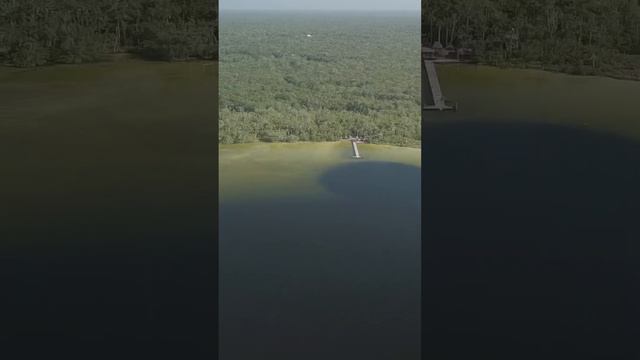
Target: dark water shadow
135,284
108,201
113,258
530,246
372,182
335,278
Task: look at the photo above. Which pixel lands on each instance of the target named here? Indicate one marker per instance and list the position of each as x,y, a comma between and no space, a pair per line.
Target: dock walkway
354,144
433,99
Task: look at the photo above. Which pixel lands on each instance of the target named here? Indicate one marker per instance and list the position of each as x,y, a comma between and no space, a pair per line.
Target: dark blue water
530,242
337,278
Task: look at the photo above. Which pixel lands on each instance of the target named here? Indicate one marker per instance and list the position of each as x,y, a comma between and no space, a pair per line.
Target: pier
432,97
354,145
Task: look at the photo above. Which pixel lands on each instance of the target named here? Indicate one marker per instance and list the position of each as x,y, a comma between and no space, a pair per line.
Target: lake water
108,205
531,198
492,94
319,252
107,209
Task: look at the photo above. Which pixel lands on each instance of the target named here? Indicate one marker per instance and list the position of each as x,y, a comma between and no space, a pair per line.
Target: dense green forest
575,36
319,77
40,32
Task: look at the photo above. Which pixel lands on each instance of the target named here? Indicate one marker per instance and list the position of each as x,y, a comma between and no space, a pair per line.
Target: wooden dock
432,97
354,144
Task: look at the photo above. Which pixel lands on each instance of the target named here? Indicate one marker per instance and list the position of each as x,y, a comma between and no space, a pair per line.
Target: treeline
578,36
291,125
39,32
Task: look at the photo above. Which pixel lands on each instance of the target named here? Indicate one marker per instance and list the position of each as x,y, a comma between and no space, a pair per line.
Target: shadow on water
107,213
133,282
375,182
335,278
530,242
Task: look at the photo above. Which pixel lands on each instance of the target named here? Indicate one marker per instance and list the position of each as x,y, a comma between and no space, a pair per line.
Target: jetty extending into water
354,144
432,97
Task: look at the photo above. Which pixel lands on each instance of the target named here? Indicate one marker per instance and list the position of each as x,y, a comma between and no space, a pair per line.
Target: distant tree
570,34
39,32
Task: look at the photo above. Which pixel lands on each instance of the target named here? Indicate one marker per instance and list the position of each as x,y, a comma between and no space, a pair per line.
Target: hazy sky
321,4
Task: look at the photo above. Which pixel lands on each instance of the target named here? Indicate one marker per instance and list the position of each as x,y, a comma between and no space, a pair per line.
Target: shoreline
109,59
119,57
556,70
542,69
417,147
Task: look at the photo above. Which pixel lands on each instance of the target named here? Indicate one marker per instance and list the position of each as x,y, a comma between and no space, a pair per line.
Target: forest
319,77
42,32
596,37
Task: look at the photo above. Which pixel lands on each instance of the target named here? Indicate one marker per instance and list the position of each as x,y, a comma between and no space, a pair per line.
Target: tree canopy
319,77
581,36
39,32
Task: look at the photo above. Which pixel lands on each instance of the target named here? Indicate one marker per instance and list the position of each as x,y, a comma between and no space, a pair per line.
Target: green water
492,94
107,190
264,171
100,134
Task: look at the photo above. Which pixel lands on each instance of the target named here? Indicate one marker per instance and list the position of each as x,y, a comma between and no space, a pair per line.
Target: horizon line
307,9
